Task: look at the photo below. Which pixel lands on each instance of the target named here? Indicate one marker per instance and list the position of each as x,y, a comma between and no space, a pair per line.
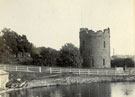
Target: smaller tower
95,48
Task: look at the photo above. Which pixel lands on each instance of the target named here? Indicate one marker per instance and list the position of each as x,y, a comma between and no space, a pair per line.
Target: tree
122,62
10,38
44,56
24,46
16,42
4,52
128,62
49,56
69,56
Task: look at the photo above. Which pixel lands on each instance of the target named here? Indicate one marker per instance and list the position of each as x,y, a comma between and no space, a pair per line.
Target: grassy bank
31,80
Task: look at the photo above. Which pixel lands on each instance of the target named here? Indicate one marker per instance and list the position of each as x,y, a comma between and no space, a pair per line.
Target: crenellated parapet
84,32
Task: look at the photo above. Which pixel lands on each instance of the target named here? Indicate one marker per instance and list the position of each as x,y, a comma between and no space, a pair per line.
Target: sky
52,23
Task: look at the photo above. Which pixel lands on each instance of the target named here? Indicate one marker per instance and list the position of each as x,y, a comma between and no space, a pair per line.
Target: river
120,89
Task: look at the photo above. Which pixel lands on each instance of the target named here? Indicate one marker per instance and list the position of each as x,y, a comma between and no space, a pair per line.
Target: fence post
40,69
1,86
105,72
97,72
27,69
69,70
5,67
50,70
15,68
60,70
129,72
79,72
115,72
88,72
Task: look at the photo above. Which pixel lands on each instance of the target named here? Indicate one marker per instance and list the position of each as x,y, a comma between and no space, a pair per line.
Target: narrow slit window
83,44
92,62
103,61
104,44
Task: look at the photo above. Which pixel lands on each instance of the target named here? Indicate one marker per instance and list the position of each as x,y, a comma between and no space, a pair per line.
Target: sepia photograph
67,48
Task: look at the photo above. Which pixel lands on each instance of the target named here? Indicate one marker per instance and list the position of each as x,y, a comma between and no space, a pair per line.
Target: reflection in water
83,90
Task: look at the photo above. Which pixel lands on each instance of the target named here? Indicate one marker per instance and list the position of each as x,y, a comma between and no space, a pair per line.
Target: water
123,89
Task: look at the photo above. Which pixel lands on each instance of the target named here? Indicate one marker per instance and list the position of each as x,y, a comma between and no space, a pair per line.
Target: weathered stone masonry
95,48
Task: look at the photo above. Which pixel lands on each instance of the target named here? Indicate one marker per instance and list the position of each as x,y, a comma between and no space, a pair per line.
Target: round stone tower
95,48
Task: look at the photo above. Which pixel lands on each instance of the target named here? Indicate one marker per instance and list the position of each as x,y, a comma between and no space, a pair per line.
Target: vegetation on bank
17,49
122,62
31,80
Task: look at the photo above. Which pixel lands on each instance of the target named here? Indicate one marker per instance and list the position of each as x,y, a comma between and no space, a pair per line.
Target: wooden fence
53,70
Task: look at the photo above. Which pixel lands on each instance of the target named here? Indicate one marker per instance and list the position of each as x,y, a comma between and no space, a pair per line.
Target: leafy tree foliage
4,52
15,42
12,44
122,62
44,56
24,45
10,38
69,56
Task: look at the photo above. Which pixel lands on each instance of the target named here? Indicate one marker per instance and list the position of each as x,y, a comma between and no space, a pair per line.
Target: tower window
92,62
83,44
81,50
103,61
104,44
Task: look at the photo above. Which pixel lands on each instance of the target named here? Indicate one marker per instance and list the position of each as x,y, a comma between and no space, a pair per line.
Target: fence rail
52,70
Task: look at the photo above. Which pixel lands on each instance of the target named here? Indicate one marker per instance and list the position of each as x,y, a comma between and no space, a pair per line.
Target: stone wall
95,48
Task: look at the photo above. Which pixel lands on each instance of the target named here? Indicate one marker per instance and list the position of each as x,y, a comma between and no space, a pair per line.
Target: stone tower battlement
95,47
86,32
